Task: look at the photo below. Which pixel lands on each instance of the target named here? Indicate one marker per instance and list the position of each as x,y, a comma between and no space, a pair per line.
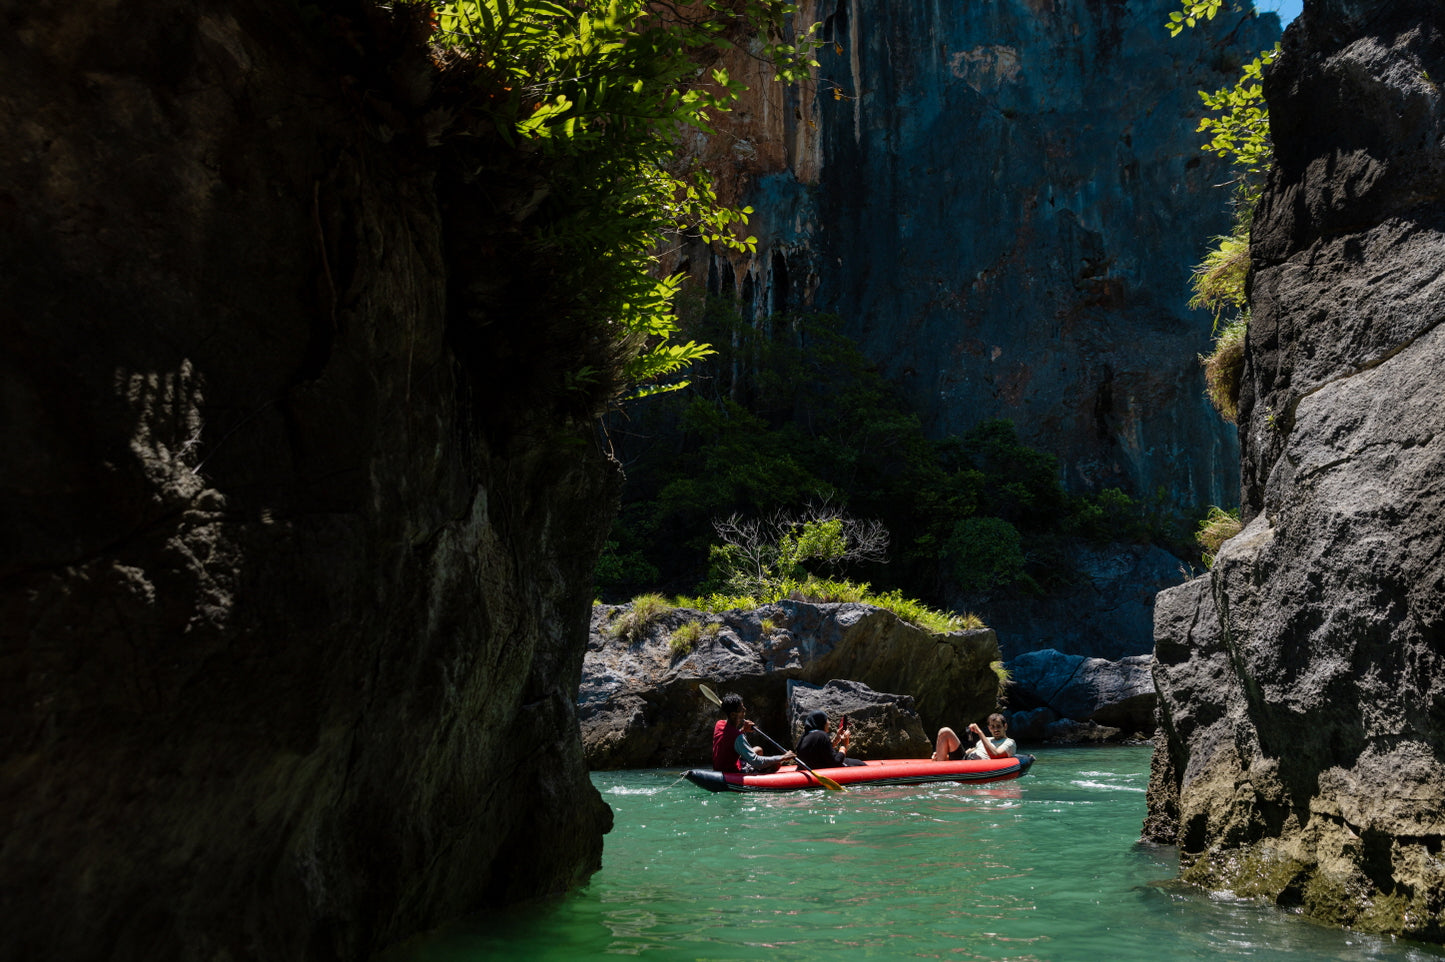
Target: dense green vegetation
567,116
789,413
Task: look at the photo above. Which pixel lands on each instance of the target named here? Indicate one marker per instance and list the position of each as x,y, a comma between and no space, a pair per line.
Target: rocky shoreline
639,704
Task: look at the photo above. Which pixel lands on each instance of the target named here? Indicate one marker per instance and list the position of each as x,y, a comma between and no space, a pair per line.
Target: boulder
880,725
639,703
1031,725
1119,693
1066,731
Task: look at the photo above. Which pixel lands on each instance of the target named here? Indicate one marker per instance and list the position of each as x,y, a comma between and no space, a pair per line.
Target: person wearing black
817,748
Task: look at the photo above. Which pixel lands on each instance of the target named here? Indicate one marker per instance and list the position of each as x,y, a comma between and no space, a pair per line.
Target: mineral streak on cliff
1302,683
1002,199
290,634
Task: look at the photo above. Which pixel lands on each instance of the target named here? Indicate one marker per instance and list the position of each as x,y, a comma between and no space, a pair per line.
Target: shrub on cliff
565,118
1224,370
1238,128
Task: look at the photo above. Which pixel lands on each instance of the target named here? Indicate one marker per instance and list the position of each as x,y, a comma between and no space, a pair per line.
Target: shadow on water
1046,868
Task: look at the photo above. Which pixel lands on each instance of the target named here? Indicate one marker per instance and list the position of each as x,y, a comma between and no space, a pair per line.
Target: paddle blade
828,783
710,695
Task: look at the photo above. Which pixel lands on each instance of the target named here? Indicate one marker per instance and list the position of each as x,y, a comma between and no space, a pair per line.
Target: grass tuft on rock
1217,527
826,591
1224,370
633,623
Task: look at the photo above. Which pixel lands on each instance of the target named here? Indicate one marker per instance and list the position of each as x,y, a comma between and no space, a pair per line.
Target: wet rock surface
1302,682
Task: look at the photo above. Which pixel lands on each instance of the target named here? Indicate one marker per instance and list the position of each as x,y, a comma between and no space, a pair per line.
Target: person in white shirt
948,745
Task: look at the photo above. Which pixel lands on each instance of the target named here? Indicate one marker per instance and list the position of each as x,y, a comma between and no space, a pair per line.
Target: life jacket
724,754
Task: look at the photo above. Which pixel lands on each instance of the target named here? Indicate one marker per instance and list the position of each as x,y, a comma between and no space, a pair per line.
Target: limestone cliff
1302,683
291,618
1002,199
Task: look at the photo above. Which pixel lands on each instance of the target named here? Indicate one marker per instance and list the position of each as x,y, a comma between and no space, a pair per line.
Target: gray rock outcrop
1302,682
639,704
880,725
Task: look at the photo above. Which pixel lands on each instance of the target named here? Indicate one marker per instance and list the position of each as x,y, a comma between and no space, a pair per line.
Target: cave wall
1302,682
1003,201
290,628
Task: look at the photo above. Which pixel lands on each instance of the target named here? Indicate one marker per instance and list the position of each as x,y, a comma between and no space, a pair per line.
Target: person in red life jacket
731,751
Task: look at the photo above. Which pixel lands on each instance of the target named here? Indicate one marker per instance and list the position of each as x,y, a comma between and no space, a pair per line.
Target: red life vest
724,754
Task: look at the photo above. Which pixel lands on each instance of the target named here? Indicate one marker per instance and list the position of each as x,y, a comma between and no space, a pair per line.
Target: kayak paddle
823,780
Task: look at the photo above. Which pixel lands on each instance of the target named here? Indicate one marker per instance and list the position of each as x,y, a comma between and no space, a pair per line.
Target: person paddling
731,751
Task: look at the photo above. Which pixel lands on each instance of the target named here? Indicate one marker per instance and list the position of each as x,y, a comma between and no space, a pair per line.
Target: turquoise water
1047,867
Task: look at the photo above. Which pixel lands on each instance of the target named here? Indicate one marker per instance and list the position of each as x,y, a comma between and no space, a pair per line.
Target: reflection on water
1045,868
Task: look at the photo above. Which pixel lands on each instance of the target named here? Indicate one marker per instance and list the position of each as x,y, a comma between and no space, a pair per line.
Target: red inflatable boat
888,771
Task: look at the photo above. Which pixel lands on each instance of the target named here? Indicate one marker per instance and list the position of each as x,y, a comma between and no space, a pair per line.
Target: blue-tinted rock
1003,201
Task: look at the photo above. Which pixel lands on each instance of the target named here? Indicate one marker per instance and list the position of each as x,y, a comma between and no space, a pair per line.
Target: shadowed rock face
1003,200
1302,683
1118,694
288,642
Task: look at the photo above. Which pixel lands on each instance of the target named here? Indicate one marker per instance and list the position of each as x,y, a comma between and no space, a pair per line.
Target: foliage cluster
810,419
758,555
584,101
1238,128
825,591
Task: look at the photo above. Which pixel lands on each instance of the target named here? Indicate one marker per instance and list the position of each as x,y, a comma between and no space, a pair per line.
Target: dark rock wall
289,633
1003,201
1302,683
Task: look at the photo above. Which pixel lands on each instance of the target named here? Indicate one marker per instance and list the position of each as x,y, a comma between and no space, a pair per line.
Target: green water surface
1047,867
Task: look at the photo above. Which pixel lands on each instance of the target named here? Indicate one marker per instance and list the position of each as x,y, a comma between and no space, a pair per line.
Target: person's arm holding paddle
759,763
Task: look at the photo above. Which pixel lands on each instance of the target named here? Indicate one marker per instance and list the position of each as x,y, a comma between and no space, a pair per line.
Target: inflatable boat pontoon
888,771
